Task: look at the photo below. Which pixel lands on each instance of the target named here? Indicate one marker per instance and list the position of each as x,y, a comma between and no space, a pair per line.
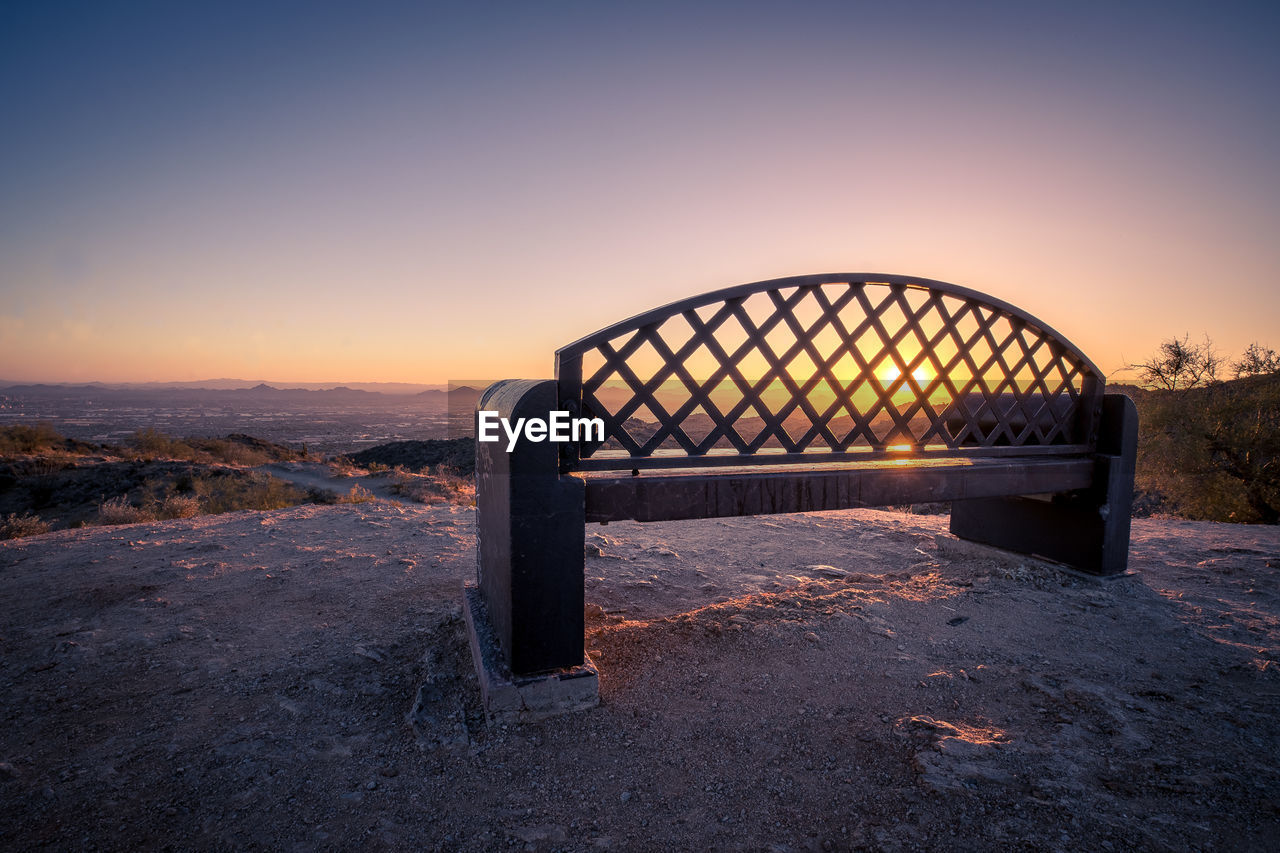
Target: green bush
29,439
153,444
241,450
1213,453
233,450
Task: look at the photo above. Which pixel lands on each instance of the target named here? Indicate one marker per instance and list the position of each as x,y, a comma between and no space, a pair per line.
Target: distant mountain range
151,393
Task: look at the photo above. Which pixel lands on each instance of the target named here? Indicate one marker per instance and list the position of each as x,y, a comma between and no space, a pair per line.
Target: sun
892,372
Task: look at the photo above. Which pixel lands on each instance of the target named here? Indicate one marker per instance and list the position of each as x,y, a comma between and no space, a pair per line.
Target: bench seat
682,493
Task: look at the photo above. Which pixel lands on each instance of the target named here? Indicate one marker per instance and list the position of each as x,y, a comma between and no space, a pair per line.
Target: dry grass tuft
227,492
443,486
358,495
17,526
208,493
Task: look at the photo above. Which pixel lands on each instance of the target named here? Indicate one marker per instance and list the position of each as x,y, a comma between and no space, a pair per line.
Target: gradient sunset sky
420,191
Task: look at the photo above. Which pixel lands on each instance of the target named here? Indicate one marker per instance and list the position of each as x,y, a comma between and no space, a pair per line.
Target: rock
1095,598
371,654
955,747
322,686
942,774
438,718
539,834
876,625
827,571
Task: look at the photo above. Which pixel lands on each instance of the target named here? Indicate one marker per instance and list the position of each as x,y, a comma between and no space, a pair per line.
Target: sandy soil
300,680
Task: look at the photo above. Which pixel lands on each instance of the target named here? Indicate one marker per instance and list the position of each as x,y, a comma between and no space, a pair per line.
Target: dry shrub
233,490
150,444
358,495
443,486
206,493
323,497
241,449
178,506
17,526
341,466
457,454
118,510
232,453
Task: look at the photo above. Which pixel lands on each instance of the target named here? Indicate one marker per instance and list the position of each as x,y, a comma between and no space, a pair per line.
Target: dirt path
298,680
317,475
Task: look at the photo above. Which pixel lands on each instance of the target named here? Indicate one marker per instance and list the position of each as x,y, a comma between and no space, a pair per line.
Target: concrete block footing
510,698
953,547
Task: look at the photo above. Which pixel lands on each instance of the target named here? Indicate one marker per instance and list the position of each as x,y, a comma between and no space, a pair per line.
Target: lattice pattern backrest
822,367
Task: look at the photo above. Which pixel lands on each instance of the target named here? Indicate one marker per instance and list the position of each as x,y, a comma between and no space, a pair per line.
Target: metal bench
818,392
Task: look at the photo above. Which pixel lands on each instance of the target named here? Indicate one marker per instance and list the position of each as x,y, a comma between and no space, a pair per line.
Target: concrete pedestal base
509,698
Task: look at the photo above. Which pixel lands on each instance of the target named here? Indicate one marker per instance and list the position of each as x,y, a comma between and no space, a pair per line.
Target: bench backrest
833,367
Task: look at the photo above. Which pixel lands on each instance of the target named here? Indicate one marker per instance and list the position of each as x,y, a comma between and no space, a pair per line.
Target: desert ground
300,680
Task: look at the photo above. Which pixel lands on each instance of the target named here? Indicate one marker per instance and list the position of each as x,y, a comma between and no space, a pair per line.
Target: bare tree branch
1180,364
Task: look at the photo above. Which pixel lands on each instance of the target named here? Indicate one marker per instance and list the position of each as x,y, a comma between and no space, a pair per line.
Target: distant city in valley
327,419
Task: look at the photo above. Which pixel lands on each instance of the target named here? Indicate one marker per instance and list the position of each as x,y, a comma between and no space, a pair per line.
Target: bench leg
1086,530
530,526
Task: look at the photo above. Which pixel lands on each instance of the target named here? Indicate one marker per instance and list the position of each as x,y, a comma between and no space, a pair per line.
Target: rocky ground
299,679
58,483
